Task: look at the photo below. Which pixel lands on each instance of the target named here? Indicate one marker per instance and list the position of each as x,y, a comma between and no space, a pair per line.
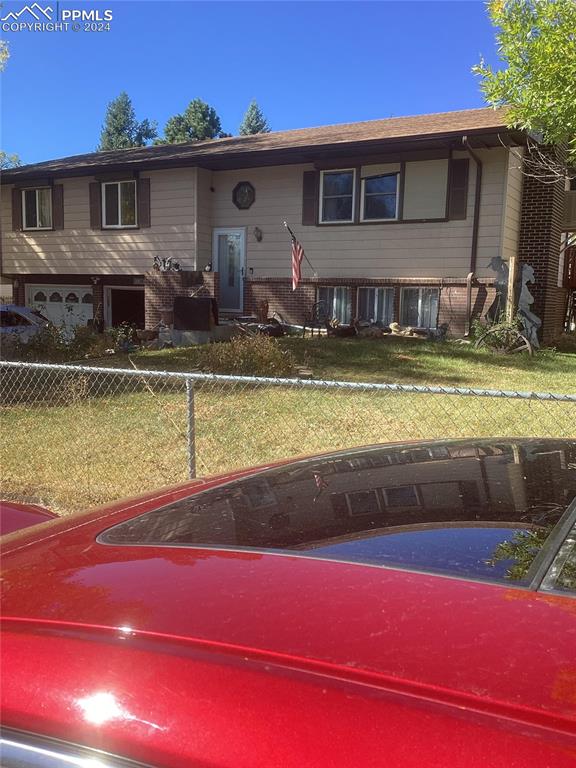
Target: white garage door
67,306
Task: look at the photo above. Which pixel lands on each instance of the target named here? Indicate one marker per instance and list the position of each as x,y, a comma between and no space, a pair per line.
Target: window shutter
16,209
143,202
95,205
458,192
58,206
310,197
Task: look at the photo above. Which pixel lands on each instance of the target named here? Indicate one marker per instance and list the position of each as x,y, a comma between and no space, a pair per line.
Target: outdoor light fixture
258,234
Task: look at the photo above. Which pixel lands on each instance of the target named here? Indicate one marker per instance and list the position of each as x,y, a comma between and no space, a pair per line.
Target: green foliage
521,549
248,356
566,342
53,345
537,43
8,161
254,121
121,129
198,122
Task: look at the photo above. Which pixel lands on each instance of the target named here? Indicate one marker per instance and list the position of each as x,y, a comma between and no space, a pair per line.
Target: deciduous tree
536,40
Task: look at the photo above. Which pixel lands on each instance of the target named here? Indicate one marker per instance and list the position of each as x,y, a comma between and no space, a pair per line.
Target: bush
247,356
52,345
566,342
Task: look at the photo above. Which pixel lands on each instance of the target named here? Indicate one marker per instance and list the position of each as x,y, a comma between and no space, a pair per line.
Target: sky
306,63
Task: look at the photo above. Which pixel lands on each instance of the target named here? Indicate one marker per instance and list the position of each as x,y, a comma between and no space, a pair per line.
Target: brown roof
370,132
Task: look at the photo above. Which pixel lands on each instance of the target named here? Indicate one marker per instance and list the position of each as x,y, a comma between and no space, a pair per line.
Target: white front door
66,306
229,257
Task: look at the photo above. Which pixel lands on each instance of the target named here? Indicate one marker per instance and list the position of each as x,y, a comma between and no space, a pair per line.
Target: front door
229,254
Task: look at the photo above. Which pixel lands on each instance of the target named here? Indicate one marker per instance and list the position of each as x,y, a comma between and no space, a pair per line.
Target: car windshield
483,510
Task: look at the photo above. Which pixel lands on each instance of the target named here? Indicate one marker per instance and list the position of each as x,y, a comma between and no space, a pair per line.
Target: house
401,220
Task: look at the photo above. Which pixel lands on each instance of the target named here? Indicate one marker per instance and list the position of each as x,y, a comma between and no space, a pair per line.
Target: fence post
190,429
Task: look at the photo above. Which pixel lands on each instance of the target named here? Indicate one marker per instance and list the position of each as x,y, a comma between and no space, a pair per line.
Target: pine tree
121,129
254,121
198,122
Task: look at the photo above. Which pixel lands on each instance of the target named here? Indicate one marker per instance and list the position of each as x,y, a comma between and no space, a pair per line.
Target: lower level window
376,305
336,302
419,307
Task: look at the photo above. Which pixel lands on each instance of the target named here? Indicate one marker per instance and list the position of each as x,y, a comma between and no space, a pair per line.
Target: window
380,197
37,208
336,301
119,204
337,196
376,305
12,320
402,496
419,307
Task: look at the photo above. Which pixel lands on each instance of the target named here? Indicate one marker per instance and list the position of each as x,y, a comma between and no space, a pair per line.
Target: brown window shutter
143,202
458,191
58,206
16,209
95,205
310,197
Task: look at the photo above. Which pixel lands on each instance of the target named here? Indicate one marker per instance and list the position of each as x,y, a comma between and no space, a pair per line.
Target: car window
12,319
489,515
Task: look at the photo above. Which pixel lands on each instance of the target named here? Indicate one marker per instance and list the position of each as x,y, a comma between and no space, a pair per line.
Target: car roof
385,623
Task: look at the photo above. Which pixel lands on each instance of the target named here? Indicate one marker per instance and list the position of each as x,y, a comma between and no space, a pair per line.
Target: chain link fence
74,437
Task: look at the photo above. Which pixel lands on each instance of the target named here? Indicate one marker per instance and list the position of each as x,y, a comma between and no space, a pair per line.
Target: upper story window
119,204
337,196
380,197
37,208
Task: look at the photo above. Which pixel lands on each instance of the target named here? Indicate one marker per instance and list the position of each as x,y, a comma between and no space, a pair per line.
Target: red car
403,605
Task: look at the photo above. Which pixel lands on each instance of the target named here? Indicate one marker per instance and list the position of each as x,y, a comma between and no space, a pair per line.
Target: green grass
403,361
85,444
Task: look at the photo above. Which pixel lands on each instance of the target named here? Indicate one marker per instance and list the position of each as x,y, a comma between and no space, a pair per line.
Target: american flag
297,256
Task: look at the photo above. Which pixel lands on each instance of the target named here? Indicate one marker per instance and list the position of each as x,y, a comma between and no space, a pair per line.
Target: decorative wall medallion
243,195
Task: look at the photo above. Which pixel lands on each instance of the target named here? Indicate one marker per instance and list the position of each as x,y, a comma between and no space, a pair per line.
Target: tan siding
204,221
512,206
435,249
77,249
425,187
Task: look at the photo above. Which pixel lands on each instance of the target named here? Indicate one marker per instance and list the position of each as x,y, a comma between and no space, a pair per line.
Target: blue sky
307,63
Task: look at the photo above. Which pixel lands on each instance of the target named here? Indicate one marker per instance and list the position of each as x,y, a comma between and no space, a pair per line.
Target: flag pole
293,236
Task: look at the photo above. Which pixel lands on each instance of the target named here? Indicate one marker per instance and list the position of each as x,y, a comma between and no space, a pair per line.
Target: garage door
67,306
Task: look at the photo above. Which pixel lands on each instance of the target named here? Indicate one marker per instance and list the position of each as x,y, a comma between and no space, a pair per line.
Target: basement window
419,307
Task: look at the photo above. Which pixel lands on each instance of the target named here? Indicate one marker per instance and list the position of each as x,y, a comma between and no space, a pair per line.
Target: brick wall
539,246
295,306
162,287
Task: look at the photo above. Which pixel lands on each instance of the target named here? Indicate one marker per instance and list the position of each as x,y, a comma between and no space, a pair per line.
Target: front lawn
403,361
80,442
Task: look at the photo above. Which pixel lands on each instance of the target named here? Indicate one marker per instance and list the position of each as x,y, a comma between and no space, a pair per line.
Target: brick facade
295,306
539,246
162,287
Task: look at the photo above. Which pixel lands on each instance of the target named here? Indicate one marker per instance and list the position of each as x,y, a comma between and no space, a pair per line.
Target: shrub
247,356
566,342
52,345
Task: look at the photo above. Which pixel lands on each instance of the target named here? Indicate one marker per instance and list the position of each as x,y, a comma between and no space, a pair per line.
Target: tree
4,54
8,161
198,122
253,121
536,42
121,129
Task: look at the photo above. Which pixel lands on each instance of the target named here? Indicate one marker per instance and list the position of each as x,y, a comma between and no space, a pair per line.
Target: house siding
77,249
404,249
